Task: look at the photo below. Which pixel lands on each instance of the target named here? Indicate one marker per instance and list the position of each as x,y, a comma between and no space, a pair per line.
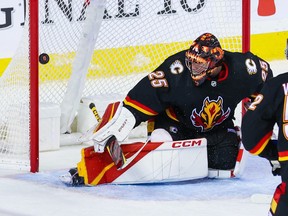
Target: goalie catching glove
117,121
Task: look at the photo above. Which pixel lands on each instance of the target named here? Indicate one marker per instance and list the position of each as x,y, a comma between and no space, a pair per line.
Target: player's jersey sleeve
264,71
268,108
152,95
144,101
251,71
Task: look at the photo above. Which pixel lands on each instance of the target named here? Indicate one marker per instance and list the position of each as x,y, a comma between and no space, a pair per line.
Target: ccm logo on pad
186,143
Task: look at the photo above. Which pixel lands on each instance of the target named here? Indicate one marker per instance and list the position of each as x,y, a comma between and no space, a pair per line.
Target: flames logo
210,115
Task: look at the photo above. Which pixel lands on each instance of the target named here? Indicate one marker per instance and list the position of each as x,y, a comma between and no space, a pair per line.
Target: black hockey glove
276,167
247,103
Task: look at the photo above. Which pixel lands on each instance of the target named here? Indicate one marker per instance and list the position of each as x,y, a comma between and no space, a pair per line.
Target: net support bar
34,90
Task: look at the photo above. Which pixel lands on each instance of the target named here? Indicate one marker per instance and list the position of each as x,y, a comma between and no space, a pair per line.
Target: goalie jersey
270,107
169,89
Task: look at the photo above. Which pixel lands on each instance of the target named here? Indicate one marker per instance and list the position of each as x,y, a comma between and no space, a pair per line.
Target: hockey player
270,107
192,94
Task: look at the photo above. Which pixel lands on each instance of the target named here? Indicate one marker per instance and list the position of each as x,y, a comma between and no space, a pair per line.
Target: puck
44,58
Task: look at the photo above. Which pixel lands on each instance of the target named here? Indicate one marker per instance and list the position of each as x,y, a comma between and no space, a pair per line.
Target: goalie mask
203,56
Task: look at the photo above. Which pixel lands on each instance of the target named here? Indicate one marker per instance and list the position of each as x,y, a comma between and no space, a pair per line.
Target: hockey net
133,38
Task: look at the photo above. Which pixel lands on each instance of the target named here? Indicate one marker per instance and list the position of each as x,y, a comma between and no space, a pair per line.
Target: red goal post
130,40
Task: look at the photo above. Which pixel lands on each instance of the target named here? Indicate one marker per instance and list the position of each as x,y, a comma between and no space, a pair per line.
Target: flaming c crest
211,114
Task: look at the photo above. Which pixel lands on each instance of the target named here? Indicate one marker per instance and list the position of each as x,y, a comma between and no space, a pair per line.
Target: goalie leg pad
156,162
94,167
240,163
99,168
160,135
241,156
220,174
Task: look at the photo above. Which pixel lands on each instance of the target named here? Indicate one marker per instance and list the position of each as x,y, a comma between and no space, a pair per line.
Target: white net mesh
14,118
135,37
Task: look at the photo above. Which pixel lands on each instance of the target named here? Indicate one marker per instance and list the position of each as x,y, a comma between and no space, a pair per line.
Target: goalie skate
71,178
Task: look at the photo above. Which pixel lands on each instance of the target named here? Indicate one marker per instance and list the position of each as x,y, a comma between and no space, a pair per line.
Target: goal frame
34,84
34,71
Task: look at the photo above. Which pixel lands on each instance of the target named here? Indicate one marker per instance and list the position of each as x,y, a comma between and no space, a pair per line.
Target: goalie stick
131,159
112,144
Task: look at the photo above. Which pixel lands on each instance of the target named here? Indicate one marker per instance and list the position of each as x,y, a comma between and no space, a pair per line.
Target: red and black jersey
169,88
269,107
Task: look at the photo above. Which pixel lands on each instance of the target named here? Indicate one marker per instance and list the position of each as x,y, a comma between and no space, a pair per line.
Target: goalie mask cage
107,47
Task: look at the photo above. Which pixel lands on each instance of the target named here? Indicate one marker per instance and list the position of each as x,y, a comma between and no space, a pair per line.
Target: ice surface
43,194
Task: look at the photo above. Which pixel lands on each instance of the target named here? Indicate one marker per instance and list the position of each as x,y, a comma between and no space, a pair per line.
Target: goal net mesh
134,38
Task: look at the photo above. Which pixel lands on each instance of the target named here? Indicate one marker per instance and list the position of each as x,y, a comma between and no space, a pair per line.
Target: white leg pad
221,174
160,135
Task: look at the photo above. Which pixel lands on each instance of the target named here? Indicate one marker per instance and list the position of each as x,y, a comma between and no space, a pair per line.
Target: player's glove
276,167
247,103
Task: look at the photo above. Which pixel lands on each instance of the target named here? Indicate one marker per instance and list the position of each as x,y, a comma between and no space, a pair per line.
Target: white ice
41,194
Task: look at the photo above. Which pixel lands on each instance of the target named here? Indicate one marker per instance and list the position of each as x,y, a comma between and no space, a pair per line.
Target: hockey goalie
158,160
189,102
